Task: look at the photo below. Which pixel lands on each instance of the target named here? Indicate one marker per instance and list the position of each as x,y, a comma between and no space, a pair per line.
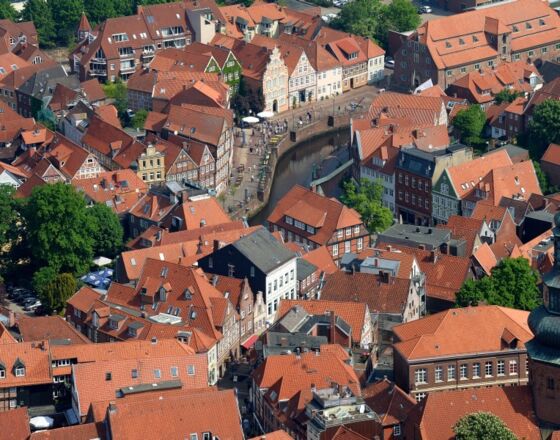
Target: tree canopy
107,231
7,10
373,19
482,425
54,289
366,200
544,127
469,123
506,95
513,283
39,12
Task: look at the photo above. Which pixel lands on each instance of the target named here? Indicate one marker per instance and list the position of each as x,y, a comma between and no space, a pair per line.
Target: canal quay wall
312,131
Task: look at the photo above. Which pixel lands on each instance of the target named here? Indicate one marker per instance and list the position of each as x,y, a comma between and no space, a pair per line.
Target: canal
296,167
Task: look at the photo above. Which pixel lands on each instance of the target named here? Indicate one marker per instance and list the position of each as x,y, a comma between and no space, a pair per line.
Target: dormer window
475,39
289,220
528,25
19,368
162,294
541,22
2,371
188,294
113,324
461,42
447,44
515,29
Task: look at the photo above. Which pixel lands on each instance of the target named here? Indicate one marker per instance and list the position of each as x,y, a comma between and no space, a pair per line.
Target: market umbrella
101,261
265,114
250,119
41,422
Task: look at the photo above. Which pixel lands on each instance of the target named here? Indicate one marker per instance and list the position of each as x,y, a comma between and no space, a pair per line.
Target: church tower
544,349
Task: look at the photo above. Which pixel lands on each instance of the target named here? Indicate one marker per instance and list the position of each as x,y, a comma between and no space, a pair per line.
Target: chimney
389,248
433,256
313,388
384,277
332,327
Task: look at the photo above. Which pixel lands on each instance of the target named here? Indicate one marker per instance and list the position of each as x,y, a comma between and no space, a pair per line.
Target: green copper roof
546,328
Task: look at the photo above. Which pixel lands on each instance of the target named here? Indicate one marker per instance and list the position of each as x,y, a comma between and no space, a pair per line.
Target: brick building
461,348
447,48
314,220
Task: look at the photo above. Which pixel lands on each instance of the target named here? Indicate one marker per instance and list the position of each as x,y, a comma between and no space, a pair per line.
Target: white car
389,63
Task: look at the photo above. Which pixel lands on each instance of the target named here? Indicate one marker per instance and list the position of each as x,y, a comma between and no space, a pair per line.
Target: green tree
470,123
506,95
542,177
99,10
544,127
513,283
482,425
107,231
402,16
7,10
139,118
118,92
54,289
9,216
472,292
366,200
59,230
361,17
66,14
39,12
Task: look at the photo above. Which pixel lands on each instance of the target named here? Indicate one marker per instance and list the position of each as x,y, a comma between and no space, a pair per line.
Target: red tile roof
552,154
85,431
380,296
14,424
436,415
486,258
353,313
390,402
275,435
178,417
52,328
33,356
460,332
325,214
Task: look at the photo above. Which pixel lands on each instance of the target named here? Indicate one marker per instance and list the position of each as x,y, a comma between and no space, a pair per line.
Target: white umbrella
265,114
41,422
102,261
250,119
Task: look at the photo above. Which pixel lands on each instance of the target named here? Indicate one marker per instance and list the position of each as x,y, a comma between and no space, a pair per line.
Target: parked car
425,10
30,306
25,298
389,63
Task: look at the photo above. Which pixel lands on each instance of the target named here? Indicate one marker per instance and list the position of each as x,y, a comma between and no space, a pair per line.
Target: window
439,374
449,72
512,367
157,374
550,383
134,373
348,232
340,233
463,371
335,250
420,375
292,274
528,25
190,370
544,50
174,371
2,374
20,371
501,368
252,271
396,430
356,230
451,372
476,370
347,247
360,243
488,368
194,436
419,396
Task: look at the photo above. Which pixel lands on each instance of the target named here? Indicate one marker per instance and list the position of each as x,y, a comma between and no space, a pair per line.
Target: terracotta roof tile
51,328
14,424
178,417
76,432
439,412
461,331
353,313
275,435
486,258
381,297
32,356
390,402
552,154
324,213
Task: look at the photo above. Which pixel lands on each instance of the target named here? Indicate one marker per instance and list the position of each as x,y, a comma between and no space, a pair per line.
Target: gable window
19,368
190,370
397,430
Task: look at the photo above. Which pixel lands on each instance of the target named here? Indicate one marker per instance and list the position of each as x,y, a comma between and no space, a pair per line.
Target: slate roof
263,250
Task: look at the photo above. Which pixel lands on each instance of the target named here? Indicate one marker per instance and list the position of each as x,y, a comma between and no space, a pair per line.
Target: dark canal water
296,167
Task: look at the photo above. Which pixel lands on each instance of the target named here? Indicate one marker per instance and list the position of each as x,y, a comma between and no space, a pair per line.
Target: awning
250,342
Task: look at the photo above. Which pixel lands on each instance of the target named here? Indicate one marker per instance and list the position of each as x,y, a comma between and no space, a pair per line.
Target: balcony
128,67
